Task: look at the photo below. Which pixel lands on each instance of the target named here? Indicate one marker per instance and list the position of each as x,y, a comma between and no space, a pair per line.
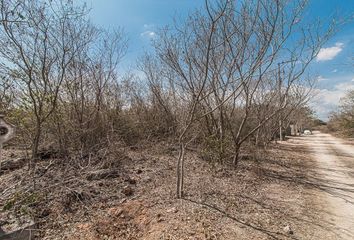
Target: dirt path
335,186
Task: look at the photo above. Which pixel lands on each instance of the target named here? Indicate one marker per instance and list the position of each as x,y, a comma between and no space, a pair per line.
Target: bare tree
90,89
6,94
223,58
188,52
343,119
36,52
162,95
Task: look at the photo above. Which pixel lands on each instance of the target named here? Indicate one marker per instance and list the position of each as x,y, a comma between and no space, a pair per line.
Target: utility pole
280,103
280,98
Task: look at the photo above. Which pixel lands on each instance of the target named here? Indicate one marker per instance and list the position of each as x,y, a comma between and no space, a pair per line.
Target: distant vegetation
342,121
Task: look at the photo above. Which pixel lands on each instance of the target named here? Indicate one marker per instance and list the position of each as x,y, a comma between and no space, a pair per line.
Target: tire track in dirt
335,161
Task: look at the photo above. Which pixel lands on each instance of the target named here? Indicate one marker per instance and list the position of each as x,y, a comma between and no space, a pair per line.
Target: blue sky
334,67
140,19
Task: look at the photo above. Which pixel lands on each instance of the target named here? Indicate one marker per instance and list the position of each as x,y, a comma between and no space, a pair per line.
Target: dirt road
334,171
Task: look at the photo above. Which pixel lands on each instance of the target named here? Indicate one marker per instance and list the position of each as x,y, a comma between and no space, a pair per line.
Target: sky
141,19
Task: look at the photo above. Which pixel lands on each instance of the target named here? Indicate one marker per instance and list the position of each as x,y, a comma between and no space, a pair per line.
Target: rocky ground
130,194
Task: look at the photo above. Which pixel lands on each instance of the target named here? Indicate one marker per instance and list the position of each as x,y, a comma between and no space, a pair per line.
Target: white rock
288,229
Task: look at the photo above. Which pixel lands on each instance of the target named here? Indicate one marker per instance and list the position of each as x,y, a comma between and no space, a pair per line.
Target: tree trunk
35,143
236,155
0,155
180,171
221,136
257,137
281,130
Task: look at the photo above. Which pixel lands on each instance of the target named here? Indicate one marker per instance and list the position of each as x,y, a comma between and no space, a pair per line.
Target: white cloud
345,86
149,31
297,20
335,70
327,101
326,54
353,80
149,34
320,78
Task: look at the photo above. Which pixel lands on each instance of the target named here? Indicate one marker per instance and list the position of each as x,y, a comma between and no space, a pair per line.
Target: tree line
342,120
230,76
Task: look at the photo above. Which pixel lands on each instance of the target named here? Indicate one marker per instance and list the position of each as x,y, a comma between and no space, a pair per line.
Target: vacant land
132,124
300,189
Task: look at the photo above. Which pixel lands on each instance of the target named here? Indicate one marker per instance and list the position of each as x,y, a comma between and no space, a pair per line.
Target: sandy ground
334,184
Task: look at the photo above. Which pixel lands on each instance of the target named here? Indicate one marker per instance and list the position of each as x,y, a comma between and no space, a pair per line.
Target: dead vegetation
257,200
342,122
101,154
